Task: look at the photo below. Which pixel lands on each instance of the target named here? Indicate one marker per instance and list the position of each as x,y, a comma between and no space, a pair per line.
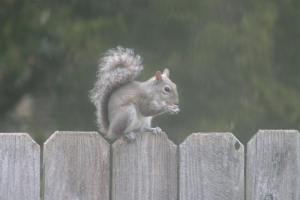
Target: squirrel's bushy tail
118,67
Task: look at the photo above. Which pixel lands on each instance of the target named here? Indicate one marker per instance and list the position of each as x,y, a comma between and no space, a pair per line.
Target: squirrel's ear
166,73
158,77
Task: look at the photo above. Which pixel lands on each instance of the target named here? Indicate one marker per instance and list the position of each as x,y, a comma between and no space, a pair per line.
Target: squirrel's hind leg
118,123
122,125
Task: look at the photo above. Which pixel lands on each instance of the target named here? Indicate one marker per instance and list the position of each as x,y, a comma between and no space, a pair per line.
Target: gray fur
124,106
118,67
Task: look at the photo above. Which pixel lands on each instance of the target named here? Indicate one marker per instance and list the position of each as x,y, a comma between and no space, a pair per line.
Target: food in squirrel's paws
169,104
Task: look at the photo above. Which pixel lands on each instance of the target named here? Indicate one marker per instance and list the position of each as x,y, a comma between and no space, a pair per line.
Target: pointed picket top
26,137
145,168
76,166
19,167
272,133
21,134
58,134
218,134
273,165
145,137
211,166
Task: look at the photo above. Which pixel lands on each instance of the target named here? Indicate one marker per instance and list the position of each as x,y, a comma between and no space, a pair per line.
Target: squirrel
125,106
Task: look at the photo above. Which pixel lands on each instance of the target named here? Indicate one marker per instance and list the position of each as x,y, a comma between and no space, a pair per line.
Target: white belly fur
138,122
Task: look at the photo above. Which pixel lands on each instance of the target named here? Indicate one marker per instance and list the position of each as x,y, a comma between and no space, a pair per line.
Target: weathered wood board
19,167
76,166
273,165
144,169
211,167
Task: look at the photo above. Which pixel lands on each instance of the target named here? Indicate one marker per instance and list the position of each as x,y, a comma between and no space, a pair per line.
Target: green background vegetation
236,63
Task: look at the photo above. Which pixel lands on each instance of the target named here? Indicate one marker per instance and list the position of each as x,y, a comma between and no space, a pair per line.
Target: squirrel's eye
166,89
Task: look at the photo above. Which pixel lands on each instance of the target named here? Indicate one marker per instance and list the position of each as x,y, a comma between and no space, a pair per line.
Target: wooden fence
206,166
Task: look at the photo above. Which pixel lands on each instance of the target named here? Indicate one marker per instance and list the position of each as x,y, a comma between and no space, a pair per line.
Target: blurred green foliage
236,63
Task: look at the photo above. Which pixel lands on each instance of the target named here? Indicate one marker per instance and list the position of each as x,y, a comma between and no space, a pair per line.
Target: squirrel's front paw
173,109
155,130
130,137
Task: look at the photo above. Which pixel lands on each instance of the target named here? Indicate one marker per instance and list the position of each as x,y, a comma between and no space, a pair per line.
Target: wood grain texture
273,165
76,166
144,169
19,167
211,167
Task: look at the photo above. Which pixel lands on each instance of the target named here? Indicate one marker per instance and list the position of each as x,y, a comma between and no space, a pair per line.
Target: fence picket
211,166
144,169
273,165
76,166
19,167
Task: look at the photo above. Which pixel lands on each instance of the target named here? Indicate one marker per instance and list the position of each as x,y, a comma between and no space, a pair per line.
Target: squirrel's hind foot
129,137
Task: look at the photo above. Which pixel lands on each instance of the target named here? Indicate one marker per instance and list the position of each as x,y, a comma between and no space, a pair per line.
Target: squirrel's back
118,67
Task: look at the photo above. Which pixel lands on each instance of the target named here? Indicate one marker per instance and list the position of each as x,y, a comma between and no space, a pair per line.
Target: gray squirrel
124,106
